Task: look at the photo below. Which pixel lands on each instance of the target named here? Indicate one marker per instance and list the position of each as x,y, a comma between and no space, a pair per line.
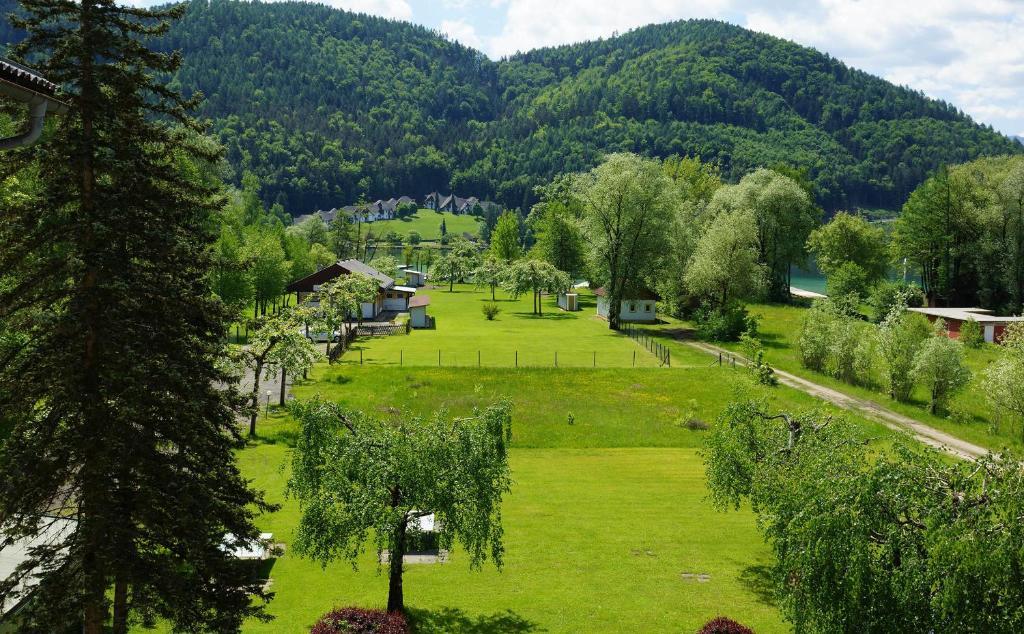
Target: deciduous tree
628,205
537,277
359,479
868,538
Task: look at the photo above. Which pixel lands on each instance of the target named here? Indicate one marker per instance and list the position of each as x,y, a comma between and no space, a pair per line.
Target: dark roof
309,283
27,78
643,293
419,300
355,266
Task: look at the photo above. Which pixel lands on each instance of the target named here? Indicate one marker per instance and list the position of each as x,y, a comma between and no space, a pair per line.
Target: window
647,308
632,308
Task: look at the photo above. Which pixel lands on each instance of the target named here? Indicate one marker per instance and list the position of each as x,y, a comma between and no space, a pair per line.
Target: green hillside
325,105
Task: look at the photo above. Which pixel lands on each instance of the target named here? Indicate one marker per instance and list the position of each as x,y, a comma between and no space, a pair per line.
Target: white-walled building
637,306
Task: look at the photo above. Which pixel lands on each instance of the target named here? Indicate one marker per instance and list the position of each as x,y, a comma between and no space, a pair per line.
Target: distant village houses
391,209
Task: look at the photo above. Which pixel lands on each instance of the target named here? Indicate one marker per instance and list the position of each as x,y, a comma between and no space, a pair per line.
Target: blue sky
967,52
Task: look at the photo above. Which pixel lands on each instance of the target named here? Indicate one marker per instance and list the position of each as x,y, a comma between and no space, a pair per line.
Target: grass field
607,526
427,223
780,330
606,514
465,338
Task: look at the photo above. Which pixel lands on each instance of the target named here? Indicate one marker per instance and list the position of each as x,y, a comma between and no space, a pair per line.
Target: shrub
490,310
971,334
815,336
414,237
360,621
848,280
393,237
940,366
887,294
722,625
696,424
900,336
726,323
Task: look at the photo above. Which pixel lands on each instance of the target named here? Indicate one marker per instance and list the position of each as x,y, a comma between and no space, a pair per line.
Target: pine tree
110,390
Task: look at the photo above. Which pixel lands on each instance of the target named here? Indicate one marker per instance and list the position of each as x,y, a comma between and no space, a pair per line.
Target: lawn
463,337
427,223
605,517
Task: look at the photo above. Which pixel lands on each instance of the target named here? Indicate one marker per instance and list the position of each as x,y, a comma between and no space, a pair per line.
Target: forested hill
325,105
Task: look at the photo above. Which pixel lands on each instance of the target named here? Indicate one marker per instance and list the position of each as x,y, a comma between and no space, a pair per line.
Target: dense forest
325,106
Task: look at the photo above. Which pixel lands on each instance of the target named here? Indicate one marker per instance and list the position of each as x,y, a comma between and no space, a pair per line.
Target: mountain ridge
325,105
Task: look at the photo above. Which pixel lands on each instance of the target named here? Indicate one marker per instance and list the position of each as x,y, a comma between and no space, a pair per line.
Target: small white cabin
418,317
639,306
414,278
569,301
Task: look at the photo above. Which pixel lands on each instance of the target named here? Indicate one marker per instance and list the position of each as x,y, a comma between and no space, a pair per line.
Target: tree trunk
284,385
540,303
120,622
451,284
492,293
396,599
254,414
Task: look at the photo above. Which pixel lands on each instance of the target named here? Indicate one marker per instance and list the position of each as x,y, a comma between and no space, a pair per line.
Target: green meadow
427,223
463,337
607,526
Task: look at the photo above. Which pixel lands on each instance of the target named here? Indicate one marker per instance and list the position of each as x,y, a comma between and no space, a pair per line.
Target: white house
418,317
637,306
397,298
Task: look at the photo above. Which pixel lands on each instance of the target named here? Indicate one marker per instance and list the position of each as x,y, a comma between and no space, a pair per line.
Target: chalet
28,87
992,326
53,532
638,306
390,297
453,203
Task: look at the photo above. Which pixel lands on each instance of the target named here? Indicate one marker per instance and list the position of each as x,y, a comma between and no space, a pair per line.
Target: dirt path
924,433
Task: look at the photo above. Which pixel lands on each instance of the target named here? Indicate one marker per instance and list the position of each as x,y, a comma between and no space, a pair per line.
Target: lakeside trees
963,229
111,393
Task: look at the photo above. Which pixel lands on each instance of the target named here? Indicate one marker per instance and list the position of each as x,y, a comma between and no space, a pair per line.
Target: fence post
634,358
401,358
360,357
595,358
438,358
719,359
478,358
556,358
669,358
517,358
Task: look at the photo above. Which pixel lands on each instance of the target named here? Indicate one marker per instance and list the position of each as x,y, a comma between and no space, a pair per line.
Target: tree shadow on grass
456,621
772,340
553,315
758,579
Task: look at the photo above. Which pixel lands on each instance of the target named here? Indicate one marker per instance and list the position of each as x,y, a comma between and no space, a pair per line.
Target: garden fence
650,344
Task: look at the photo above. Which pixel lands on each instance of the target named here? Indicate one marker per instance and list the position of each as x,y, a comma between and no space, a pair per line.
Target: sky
967,52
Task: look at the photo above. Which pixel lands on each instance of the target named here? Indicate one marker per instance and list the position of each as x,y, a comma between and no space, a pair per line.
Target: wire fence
481,358
653,346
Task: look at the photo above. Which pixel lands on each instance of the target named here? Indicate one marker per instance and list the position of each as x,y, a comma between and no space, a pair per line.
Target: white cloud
462,31
395,9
